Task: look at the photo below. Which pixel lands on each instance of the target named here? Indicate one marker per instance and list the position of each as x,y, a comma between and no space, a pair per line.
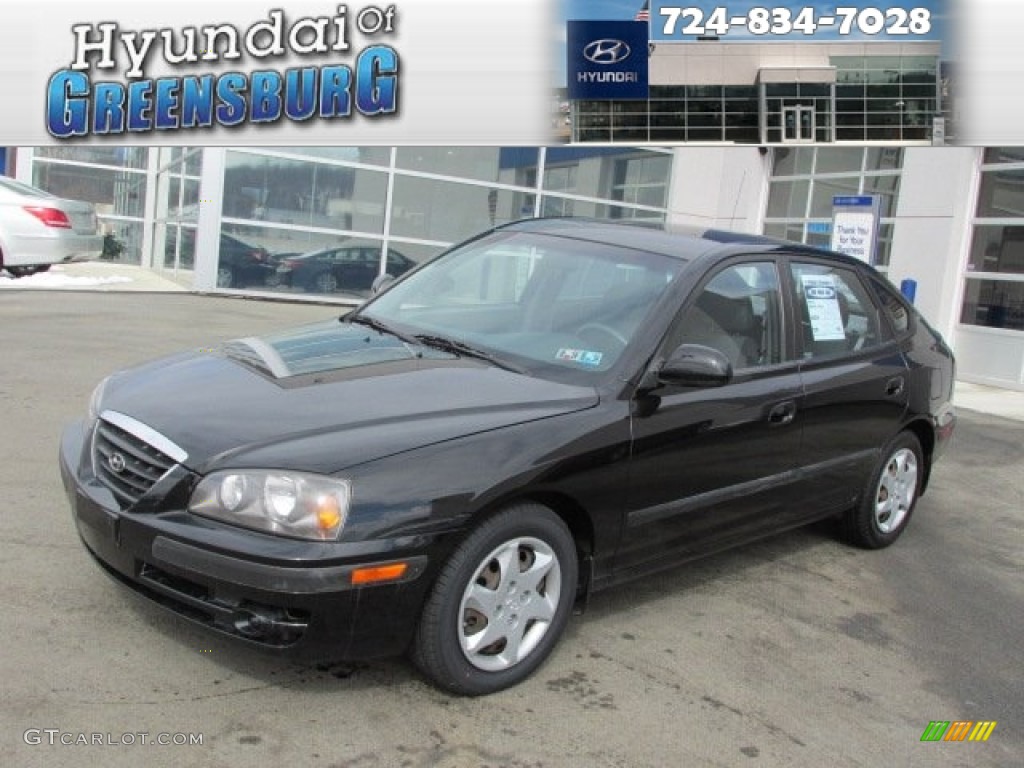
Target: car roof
687,243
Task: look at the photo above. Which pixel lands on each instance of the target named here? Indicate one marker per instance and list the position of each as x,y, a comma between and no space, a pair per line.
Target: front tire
889,496
500,603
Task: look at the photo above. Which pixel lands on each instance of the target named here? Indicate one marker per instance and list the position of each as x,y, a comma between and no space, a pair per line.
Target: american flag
644,14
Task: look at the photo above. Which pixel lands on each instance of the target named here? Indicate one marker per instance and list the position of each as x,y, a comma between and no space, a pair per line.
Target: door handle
783,413
894,386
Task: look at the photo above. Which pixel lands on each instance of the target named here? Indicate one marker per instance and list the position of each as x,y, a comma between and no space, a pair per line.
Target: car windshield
542,303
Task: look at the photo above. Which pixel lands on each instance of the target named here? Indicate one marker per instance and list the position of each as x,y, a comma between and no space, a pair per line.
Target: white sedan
38,229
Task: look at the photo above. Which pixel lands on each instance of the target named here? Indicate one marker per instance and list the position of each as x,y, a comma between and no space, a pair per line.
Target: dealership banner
438,72
309,72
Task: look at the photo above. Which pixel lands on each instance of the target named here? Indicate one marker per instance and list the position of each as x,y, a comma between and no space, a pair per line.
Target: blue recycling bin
908,288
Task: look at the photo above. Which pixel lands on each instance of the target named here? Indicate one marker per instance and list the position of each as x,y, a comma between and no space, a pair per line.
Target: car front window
545,303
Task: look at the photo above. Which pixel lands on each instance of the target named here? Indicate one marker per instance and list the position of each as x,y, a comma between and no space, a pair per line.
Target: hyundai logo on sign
606,51
605,61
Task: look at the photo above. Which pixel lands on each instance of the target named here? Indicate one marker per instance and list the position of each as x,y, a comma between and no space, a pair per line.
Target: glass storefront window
296,261
448,211
505,165
113,192
994,304
840,160
793,161
122,241
364,155
114,156
303,193
418,252
614,174
1003,155
284,204
884,158
788,199
1001,194
823,191
552,205
179,251
792,232
887,189
997,249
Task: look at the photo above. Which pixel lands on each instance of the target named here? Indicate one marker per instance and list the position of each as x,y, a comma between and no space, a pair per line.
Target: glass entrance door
798,124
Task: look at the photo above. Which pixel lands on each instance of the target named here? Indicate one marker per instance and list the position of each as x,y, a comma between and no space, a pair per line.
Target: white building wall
719,187
931,236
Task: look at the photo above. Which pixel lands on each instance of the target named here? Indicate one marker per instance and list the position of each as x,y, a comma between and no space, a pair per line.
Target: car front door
714,466
854,377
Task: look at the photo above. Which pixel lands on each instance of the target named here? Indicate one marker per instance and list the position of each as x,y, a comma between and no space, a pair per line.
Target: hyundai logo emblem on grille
606,51
116,463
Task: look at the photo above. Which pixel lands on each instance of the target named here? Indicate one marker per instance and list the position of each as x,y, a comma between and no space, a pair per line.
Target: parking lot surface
797,651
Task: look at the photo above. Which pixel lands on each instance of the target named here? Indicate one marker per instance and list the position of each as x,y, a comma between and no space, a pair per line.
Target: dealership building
775,93
225,219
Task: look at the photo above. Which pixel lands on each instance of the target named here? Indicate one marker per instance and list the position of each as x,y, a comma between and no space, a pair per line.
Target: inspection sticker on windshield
581,356
823,307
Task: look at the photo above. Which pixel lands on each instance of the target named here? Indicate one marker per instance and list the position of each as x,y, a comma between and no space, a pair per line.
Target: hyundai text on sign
607,59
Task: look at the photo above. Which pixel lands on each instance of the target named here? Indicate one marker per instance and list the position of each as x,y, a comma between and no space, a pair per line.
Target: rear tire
889,497
500,603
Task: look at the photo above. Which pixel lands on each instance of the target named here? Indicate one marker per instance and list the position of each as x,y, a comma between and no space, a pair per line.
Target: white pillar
719,188
211,188
931,236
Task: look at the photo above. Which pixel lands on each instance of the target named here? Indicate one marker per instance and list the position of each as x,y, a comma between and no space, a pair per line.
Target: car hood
326,397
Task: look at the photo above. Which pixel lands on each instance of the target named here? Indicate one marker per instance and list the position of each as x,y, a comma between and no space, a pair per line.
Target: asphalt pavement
796,651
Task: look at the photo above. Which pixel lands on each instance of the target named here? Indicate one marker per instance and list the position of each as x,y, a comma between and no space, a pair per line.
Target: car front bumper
272,592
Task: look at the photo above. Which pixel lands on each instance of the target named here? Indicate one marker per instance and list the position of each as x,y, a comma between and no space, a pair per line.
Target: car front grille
125,461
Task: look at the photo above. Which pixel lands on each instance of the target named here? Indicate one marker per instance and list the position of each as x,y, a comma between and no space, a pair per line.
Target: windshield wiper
380,325
465,350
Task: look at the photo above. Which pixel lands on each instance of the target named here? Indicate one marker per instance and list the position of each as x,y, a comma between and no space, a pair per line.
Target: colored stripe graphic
935,730
982,730
958,730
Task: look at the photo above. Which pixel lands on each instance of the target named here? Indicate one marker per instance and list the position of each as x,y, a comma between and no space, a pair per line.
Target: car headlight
286,503
96,398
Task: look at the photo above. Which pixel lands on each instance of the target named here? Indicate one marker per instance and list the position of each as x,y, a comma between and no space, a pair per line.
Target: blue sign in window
3,161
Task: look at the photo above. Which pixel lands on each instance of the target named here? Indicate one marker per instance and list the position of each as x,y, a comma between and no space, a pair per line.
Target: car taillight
51,217
256,255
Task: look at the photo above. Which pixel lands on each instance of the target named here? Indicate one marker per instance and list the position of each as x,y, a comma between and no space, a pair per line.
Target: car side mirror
694,365
381,282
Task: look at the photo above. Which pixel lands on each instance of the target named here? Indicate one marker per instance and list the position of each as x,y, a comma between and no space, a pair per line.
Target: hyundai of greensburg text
548,409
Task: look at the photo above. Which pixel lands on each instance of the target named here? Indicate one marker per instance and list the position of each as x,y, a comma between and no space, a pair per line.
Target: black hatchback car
548,409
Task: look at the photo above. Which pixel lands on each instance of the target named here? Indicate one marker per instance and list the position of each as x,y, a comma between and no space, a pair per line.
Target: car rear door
712,467
854,377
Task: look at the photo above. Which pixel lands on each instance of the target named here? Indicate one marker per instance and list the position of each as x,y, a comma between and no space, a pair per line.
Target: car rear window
892,306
